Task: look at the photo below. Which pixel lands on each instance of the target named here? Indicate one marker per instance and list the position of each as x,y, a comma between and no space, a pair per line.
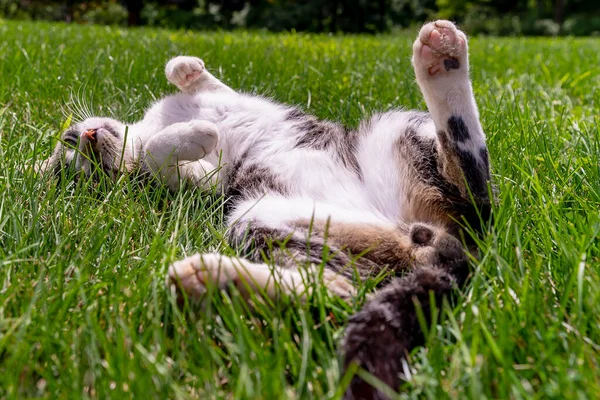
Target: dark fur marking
417,118
111,130
451,63
474,173
458,129
295,114
425,155
288,247
483,153
245,181
424,150
316,135
324,135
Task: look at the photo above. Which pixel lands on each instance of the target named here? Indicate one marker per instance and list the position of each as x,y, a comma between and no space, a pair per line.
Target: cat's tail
381,335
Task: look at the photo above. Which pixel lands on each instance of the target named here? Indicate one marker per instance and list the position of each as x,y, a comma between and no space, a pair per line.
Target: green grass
83,307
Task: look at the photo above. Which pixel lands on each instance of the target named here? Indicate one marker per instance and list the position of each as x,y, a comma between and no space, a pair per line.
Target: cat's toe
184,280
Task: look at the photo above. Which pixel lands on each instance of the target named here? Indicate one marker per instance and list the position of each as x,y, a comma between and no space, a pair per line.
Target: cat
392,194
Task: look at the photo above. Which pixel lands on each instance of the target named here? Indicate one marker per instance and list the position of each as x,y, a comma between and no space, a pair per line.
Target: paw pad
421,235
182,71
440,47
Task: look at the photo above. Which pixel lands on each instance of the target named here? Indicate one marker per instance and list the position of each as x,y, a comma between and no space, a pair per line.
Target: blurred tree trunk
187,5
559,11
69,10
134,9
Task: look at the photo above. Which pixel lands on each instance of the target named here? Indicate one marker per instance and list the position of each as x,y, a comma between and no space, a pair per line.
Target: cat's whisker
76,109
80,107
87,109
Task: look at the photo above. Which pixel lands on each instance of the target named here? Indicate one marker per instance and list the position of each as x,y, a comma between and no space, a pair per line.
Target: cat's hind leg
440,60
194,275
190,75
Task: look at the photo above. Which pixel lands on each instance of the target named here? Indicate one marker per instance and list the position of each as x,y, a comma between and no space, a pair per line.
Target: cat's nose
90,134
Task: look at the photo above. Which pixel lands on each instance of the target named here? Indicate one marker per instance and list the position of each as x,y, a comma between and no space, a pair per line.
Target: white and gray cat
391,194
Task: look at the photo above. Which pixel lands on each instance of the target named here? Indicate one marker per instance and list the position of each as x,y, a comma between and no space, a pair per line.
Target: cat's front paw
440,48
183,71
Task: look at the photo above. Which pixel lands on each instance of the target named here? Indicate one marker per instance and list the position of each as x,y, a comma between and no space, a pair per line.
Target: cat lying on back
394,191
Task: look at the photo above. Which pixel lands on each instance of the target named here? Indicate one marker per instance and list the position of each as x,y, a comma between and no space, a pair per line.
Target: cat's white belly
257,131
320,189
318,175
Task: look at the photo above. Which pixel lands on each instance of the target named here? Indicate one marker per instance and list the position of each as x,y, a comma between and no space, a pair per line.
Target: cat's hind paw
440,48
338,285
433,247
191,276
183,71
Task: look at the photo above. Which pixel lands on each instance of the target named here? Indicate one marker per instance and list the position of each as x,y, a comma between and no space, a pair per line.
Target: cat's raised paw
183,71
440,48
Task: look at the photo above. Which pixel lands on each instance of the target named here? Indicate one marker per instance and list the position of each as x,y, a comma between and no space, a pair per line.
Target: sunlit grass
83,307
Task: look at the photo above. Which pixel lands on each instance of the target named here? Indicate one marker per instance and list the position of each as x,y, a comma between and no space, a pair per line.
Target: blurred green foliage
491,17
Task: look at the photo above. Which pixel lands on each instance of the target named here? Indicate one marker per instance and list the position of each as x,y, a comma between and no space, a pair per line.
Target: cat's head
96,143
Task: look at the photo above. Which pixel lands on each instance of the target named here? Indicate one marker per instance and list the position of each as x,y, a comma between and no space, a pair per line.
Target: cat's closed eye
71,138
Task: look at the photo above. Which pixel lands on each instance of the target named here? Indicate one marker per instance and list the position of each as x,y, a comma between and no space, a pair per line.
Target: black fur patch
252,180
315,134
458,129
451,63
474,172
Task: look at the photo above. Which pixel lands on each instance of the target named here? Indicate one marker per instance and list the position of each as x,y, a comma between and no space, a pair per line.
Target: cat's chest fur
257,133
246,124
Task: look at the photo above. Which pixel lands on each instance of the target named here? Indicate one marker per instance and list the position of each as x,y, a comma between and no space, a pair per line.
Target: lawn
84,312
